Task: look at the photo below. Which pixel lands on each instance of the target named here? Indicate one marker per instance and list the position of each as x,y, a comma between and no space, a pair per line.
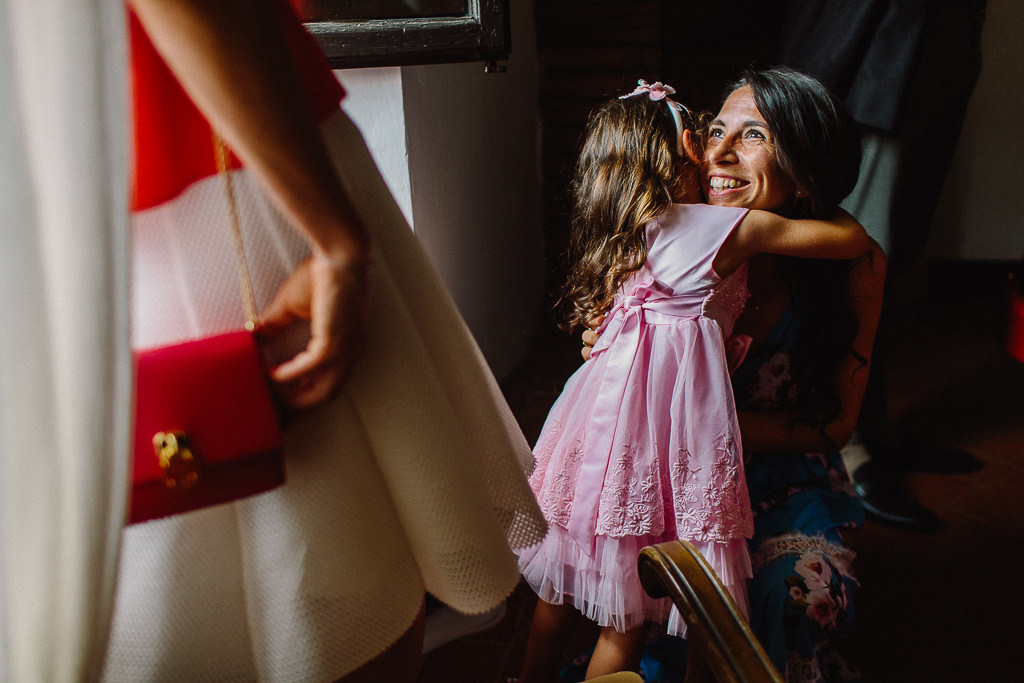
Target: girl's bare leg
549,633
617,651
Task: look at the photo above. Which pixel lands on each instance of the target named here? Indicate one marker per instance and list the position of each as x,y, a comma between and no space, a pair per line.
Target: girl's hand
334,296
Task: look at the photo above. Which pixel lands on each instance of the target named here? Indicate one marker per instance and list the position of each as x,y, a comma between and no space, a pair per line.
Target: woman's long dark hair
817,143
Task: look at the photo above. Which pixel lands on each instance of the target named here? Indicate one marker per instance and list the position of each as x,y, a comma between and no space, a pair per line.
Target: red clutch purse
206,430
206,427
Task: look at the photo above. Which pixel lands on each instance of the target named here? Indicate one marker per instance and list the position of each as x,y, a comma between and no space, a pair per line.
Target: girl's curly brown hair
629,172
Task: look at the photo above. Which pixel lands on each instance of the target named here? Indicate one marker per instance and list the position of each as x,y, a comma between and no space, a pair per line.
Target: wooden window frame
480,35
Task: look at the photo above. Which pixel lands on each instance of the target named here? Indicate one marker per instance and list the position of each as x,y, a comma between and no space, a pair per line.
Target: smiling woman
783,142
742,166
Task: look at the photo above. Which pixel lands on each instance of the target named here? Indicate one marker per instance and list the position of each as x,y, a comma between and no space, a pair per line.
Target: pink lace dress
643,445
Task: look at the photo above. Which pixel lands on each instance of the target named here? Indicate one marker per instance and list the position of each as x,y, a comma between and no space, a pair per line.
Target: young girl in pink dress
643,445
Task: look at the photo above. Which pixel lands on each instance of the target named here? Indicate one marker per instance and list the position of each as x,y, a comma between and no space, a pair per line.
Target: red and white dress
411,479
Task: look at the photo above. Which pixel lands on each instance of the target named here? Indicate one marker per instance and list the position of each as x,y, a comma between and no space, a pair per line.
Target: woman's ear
689,146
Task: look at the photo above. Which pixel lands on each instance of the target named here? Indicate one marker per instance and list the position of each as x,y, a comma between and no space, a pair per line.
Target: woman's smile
720,184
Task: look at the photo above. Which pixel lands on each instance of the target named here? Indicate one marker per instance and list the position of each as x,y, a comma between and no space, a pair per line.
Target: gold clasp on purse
174,454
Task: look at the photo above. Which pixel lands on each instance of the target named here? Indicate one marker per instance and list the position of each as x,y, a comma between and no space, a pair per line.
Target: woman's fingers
335,299
291,303
591,336
312,387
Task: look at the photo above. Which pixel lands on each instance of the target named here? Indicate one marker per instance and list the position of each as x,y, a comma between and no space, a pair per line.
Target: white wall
981,213
374,101
474,152
460,150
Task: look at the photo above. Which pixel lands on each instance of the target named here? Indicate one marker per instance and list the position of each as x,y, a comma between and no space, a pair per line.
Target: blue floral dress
803,586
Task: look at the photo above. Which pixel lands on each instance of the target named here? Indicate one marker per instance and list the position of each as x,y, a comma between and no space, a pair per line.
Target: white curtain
65,370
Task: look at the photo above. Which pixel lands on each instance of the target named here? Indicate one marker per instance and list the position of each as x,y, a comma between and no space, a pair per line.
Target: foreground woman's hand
334,296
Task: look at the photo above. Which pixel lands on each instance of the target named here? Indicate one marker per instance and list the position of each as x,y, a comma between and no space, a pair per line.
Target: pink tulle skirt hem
605,586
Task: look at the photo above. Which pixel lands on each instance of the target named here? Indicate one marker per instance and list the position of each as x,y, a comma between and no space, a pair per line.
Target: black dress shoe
910,454
886,500
923,458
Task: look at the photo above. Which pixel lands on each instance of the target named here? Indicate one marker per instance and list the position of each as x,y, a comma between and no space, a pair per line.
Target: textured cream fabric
413,478
65,383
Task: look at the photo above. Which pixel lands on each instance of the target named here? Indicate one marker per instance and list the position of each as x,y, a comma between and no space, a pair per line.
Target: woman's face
740,165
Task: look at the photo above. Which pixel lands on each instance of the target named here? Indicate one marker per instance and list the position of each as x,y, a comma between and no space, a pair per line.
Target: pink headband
659,91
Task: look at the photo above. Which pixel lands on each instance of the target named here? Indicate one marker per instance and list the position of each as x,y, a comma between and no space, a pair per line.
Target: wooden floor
943,606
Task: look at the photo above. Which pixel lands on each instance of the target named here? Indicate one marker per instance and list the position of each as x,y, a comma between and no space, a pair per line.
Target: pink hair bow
656,91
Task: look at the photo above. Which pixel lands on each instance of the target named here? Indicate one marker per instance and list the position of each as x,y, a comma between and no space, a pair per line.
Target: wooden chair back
720,644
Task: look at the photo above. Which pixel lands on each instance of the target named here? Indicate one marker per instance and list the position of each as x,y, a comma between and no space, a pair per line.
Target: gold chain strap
245,280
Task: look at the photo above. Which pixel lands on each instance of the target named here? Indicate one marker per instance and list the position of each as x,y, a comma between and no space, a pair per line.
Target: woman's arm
232,59
767,431
760,232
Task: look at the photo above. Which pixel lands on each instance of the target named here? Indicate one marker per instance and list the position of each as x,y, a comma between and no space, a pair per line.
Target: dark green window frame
479,35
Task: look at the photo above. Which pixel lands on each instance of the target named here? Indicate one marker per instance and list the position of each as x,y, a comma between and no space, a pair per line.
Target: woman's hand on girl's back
590,336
